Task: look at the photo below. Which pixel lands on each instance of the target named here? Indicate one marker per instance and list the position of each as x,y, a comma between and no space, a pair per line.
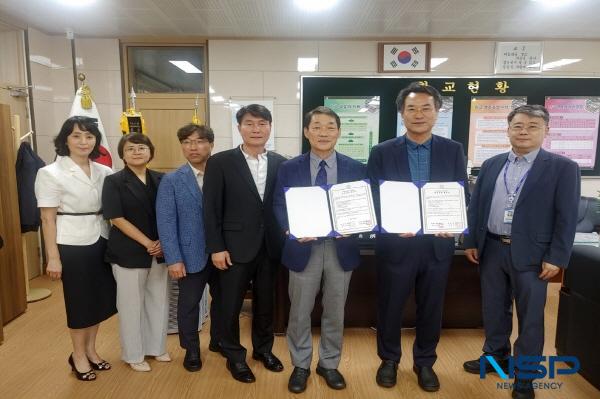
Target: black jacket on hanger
27,165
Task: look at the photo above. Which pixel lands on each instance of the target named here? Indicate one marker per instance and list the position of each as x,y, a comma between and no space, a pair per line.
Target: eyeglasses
139,148
531,129
414,111
326,129
190,143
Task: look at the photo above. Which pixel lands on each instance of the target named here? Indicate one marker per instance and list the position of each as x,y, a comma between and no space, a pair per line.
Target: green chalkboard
536,89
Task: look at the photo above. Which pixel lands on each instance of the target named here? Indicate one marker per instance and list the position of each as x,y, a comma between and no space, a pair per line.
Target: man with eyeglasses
522,219
244,239
181,230
406,262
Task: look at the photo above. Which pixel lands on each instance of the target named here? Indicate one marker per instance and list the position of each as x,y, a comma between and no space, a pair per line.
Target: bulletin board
535,89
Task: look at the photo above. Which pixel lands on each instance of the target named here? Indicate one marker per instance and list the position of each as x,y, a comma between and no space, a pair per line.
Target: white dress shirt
65,186
199,176
258,169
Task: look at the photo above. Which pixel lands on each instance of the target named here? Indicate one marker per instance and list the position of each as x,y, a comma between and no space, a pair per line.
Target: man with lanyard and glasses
522,219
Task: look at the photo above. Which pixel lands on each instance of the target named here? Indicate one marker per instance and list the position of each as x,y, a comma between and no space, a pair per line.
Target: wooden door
164,114
12,272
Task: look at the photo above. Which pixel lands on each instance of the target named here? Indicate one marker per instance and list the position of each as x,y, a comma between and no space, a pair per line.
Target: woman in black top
128,201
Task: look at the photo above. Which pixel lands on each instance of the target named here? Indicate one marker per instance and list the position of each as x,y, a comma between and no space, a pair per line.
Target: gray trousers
143,304
322,271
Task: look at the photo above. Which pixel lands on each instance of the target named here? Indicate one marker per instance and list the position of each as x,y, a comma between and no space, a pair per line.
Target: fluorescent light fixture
76,3
437,61
554,3
185,66
307,64
315,5
217,99
559,63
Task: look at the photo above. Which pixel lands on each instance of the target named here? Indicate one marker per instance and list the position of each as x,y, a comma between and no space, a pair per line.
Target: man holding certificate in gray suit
314,264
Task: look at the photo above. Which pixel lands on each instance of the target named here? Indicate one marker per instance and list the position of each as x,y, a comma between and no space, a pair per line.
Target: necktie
321,178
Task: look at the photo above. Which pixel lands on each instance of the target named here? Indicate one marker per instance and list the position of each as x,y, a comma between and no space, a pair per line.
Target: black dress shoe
472,366
269,360
387,373
191,361
333,378
523,389
241,372
428,380
297,383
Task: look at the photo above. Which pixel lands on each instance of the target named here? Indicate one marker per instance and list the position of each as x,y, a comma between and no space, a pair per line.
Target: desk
578,323
462,307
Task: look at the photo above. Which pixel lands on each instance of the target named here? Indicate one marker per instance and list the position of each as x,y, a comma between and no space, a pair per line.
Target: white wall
255,69
52,74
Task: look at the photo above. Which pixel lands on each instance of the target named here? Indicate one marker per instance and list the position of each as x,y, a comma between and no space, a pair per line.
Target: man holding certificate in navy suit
316,264
522,219
407,262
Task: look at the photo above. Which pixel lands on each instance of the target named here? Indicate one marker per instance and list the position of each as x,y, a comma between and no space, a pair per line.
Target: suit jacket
180,220
389,161
296,173
27,165
545,215
123,195
235,218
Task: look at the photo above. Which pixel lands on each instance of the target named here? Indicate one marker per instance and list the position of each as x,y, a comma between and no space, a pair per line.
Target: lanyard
511,196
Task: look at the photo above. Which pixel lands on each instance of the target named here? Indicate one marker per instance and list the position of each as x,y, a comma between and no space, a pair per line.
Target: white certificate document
400,208
352,208
444,208
308,212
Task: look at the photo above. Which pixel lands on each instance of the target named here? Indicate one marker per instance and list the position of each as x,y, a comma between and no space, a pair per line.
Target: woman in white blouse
69,193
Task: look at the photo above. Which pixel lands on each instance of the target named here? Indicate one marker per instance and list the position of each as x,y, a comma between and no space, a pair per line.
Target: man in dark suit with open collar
243,237
406,262
522,219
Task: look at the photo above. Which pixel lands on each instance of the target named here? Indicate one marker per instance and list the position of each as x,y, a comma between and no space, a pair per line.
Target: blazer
27,166
124,196
235,217
296,173
545,215
65,186
389,161
180,221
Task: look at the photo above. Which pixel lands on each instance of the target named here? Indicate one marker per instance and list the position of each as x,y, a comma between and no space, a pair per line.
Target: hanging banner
488,126
443,125
573,128
235,106
359,118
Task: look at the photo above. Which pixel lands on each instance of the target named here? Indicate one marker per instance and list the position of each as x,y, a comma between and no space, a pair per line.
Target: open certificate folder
429,209
330,211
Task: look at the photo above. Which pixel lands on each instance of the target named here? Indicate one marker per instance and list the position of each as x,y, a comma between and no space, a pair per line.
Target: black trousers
191,288
233,284
420,270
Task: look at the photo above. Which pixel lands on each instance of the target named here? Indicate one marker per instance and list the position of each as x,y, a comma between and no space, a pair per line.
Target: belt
503,239
79,213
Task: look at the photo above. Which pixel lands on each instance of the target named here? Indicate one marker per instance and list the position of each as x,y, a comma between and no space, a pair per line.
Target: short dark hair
533,110
256,110
84,123
417,87
135,138
204,132
320,110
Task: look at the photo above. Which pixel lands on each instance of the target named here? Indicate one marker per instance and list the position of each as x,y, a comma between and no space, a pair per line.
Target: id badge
508,215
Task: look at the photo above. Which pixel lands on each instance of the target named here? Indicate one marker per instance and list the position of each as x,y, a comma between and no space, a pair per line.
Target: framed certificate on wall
518,57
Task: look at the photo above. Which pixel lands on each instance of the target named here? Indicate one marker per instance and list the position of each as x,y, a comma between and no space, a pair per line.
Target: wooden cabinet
13,300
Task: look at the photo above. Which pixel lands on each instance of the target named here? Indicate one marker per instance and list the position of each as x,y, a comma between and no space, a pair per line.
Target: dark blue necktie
321,178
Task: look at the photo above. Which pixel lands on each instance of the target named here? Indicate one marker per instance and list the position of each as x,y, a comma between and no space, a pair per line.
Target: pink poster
573,128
